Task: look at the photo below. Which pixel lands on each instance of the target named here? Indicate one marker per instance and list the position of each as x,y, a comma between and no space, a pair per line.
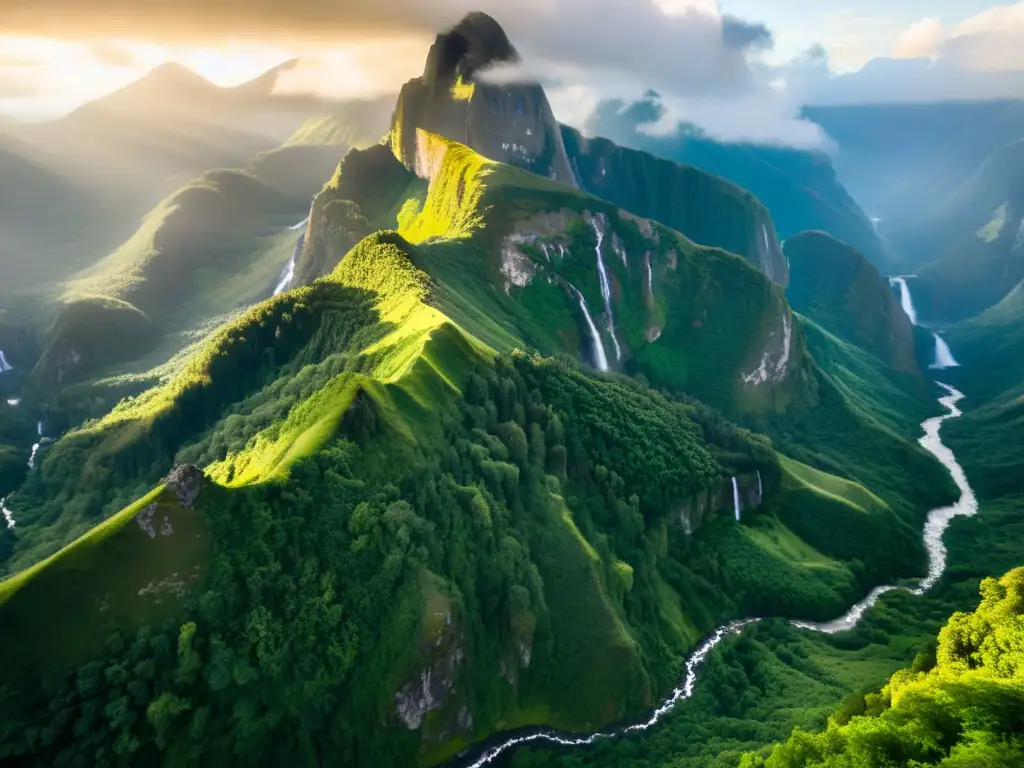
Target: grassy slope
60,612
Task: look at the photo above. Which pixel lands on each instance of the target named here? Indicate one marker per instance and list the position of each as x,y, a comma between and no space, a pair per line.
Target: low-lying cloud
698,58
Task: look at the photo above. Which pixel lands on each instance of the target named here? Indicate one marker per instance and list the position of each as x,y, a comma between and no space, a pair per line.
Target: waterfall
905,299
288,273
767,248
8,515
39,428
14,401
32,457
760,488
650,276
943,355
736,498
599,357
606,288
4,365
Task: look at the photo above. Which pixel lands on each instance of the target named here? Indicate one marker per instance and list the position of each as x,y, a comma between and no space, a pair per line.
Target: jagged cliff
512,123
706,208
840,290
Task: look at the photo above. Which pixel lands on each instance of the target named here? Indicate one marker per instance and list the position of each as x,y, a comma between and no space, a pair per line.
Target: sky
739,68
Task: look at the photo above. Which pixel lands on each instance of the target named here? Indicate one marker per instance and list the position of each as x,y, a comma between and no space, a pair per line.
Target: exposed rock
517,268
512,124
692,512
429,690
774,364
145,520
186,481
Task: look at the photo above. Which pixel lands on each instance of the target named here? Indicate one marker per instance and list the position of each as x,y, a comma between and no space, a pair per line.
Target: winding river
935,526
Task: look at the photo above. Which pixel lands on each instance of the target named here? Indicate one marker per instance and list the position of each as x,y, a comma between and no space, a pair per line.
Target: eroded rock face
512,124
430,689
186,481
691,513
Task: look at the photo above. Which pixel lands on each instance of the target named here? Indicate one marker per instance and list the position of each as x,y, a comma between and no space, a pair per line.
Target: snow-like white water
606,288
736,499
288,273
684,691
943,355
650,276
39,428
32,456
599,356
938,521
760,488
8,515
14,401
905,299
4,365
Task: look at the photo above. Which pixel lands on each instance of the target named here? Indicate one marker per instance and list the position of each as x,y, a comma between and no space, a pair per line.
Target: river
504,744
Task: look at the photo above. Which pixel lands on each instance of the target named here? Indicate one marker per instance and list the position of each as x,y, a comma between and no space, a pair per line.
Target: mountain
514,124
799,188
898,159
81,184
971,242
833,285
492,119
707,209
504,524
499,454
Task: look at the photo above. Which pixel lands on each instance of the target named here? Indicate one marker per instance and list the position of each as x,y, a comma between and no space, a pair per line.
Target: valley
432,431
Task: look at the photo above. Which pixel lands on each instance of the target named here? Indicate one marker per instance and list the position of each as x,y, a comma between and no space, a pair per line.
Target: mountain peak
473,44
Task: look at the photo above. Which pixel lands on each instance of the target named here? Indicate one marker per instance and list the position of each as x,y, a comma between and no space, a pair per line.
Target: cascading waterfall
8,515
736,498
760,488
39,428
606,288
288,273
4,365
943,355
650,276
599,356
935,527
905,299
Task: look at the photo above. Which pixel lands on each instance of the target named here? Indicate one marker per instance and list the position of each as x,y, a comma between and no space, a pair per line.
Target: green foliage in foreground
966,710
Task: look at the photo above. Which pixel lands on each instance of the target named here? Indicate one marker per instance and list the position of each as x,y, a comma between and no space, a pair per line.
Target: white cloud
991,41
922,40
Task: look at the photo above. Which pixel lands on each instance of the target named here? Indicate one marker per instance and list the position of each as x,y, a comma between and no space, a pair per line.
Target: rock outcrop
186,481
511,123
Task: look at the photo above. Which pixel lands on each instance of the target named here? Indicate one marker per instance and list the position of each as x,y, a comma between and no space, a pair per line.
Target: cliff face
707,209
512,123
836,287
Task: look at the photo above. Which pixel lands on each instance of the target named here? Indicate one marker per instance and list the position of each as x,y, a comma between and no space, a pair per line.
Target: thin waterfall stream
606,288
600,358
937,522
